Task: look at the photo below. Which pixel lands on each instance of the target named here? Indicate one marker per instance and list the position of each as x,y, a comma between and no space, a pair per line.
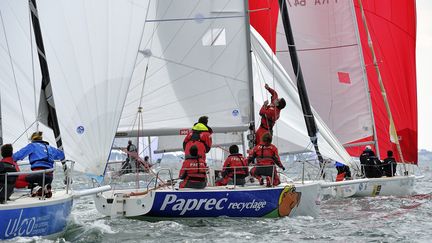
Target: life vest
269,116
265,155
193,169
200,136
20,181
7,166
236,161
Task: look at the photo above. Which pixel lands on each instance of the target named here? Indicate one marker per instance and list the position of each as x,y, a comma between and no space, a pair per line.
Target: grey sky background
424,73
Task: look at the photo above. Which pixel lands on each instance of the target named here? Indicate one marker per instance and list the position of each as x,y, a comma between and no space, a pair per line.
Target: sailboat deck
23,199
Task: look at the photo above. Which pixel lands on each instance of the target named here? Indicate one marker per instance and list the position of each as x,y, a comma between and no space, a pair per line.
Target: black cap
203,120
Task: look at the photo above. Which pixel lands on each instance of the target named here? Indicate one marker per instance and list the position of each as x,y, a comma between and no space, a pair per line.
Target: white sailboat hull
249,201
370,187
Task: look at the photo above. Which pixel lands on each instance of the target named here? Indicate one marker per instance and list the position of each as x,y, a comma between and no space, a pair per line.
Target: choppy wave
380,219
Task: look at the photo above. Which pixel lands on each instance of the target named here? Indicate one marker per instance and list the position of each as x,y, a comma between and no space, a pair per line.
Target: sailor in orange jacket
193,171
235,164
269,114
266,155
200,136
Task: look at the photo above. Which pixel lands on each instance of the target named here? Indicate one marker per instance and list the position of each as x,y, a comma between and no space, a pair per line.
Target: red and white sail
337,66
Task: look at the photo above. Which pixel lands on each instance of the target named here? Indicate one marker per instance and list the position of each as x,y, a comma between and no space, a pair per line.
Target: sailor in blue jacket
41,156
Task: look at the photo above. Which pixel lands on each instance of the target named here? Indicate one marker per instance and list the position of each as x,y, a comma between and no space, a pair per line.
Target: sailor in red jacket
7,152
193,171
269,114
266,155
237,161
200,136
7,164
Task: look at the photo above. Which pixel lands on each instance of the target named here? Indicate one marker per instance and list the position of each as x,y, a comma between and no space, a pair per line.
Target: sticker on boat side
288,200
256,203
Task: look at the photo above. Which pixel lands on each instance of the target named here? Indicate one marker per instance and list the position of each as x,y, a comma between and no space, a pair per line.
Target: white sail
330,58
290,133
20,78
91,49
197,59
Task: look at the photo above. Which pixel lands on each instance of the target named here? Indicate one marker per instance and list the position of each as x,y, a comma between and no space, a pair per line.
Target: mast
393,132
46,89
307,111
251,135
1,125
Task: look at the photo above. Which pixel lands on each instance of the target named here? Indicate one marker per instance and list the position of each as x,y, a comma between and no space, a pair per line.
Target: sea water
379,219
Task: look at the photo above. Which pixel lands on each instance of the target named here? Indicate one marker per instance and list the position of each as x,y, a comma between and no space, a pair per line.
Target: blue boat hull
43,218
284,200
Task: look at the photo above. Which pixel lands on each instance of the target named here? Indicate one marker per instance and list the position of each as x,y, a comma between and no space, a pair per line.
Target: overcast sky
424,73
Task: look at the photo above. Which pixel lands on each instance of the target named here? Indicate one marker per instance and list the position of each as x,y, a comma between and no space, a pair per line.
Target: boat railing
378,168
233,171
157,177
67,170
156,180
122,171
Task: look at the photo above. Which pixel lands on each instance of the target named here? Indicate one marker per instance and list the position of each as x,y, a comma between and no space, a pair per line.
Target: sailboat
351,53
88,51
196,59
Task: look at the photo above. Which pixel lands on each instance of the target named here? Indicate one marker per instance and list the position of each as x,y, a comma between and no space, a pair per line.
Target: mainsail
339,73
194,61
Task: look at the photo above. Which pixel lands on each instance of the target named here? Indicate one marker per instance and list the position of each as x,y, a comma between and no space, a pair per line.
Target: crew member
343,172
200,136
235,166
389,164
7,164
370,163
41,156
193,171
266,155
269,114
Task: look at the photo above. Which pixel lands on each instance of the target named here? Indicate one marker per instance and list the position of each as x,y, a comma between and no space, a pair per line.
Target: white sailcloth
196,55
290,133
91,49
332,65
20,78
